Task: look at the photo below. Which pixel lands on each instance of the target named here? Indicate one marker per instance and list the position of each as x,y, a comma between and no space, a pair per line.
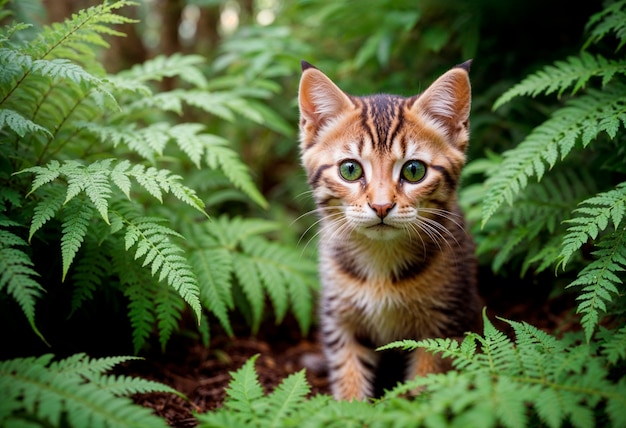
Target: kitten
395,260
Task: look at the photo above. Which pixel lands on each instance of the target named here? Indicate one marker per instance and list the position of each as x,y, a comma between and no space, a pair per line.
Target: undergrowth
83,159
509,383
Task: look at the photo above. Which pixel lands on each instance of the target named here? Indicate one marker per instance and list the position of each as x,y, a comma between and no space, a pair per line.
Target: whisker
448,215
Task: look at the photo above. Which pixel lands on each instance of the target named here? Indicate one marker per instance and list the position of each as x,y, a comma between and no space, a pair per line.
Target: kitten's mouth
381,226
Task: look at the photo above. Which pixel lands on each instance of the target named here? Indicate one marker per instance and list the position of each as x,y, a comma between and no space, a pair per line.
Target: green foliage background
149,196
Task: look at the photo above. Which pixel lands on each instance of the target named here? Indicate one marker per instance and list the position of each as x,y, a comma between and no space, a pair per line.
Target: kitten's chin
382,232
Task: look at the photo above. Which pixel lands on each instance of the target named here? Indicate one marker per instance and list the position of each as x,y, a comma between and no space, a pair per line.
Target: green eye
351,170
413,171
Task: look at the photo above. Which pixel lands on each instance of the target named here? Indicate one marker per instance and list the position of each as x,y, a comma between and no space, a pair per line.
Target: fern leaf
611,19
176,65
214,269
168,310
33,389
152,243
250,282
283,401
94,181
584,117
90,269
600,278
594,215
64,69
614,346
125,385
244,391
76,219
46,209
220,156
575,70
17,276
406,345
187,138
19,124
83,28
140,305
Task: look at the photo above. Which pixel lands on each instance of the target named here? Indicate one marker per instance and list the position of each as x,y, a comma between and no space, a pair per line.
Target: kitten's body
395,260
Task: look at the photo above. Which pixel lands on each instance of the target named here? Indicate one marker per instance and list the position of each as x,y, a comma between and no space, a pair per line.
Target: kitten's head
384,166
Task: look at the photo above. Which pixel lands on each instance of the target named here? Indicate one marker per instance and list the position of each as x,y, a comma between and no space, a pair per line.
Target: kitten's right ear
319,99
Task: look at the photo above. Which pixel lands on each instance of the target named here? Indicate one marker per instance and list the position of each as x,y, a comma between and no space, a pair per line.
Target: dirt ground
202,374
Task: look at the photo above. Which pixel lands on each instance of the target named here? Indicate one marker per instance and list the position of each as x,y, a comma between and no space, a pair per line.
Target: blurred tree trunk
207,35
171,11
125,51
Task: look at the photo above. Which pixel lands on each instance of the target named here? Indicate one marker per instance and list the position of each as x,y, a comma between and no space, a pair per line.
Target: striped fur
395,260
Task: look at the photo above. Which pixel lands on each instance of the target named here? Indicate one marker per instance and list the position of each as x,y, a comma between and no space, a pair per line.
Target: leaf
19,124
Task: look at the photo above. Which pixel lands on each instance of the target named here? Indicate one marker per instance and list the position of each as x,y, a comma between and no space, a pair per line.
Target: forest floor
202,374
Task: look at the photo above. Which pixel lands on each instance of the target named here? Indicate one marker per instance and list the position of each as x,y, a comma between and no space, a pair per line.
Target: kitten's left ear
448,100
320,100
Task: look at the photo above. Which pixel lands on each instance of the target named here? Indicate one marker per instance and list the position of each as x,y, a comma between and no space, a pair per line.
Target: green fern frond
34,390
276,267
220,156
246,404
168,307
19,124
599,280
575,70
84,28
139,291
244,392
17,276
91,269
94,180
250,282
184,67
614,345
163,256
560,382
214,267
283,401
77,216
47,208
593,216
226,251
583,118
611,19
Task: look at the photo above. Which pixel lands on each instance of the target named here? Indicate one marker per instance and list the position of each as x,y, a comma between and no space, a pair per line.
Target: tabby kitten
395,260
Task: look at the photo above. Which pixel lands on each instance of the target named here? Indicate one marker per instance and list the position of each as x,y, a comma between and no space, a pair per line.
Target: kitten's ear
319,99
448,100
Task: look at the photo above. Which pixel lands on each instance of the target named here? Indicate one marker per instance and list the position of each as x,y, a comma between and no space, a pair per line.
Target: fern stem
56,131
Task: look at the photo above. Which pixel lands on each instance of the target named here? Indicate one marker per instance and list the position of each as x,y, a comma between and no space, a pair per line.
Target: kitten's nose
382,209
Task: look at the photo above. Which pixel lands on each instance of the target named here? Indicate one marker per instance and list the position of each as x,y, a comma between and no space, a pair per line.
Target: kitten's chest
385,299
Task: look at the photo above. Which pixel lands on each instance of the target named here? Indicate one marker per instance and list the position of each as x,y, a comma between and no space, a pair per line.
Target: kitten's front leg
422,363
351,365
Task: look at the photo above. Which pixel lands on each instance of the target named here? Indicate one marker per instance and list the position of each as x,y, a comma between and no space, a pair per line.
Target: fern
226,251
594,216
600,279
246,404
609,20
584,117
17,275
164,258
558,381
506,383
74,391
575,70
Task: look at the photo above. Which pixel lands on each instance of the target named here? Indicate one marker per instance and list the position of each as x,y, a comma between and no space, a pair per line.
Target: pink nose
382,209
